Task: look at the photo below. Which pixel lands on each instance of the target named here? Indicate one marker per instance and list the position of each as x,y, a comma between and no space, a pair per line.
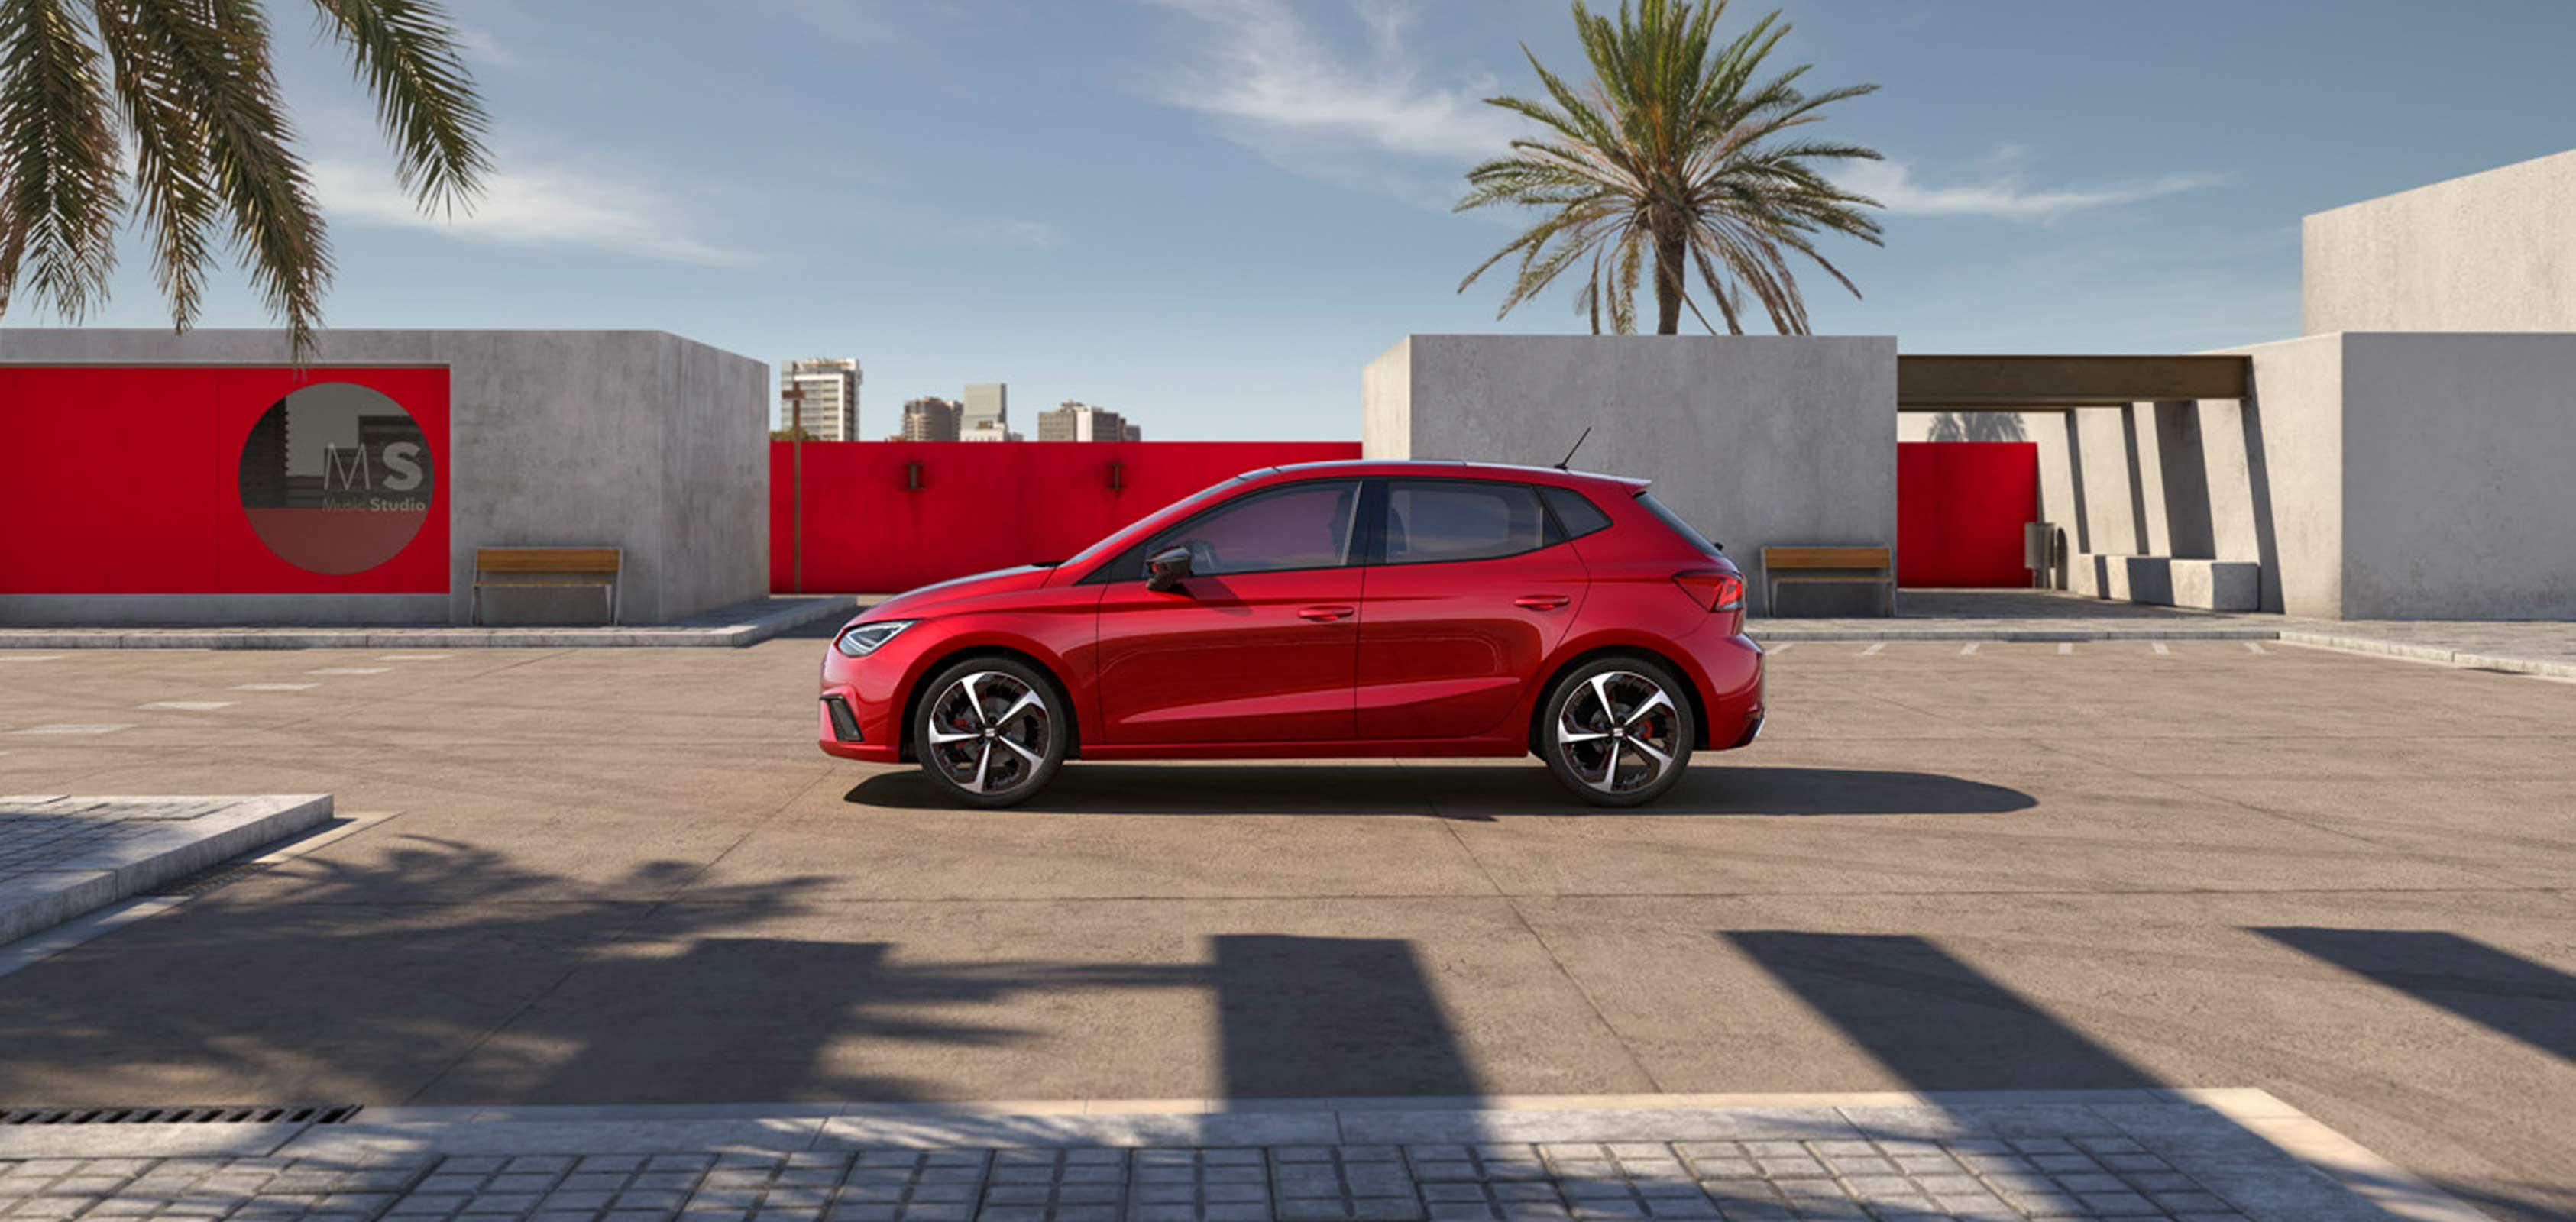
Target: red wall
1960,507
126,480
982,505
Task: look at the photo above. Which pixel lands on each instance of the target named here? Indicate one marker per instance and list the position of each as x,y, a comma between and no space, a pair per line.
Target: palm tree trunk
1671,247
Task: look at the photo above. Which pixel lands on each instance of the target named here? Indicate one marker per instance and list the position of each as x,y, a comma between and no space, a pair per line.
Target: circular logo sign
336,478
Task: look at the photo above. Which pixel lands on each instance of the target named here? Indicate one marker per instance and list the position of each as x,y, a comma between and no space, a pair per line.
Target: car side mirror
1165,569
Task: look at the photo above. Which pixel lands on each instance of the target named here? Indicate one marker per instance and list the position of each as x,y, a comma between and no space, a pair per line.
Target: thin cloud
542,208
1280,86
1892,183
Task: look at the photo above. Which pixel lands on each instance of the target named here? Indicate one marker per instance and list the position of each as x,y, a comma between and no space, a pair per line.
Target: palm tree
188,85
1678,148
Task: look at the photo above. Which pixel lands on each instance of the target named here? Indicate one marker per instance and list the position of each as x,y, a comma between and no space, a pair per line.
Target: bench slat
546,559
1826,557
597,580
1855,579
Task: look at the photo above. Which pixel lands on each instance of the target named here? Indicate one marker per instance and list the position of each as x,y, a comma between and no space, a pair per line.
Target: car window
1429,521
1302,526
1689,533
1574,511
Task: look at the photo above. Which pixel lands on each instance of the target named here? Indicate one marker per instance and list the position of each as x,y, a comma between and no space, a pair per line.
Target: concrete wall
2459,476
636,439
2372,476
2490,252
1756,440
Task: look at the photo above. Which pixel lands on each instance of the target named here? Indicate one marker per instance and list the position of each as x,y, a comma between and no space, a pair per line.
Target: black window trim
1551,532
1356,557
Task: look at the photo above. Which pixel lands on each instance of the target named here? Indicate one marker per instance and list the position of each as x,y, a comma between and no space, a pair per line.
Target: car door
1472,586
1258,644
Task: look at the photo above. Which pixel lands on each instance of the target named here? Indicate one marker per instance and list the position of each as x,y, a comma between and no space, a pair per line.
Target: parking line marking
2255,647
274,687
1782,647
190,706
40,657
350,670
1874,647
2065,647
74,729
414,657
1969,648
2159,646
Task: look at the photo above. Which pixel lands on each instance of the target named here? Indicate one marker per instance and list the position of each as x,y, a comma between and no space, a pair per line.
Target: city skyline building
987,403
990,430
930,418
1075,421
829,408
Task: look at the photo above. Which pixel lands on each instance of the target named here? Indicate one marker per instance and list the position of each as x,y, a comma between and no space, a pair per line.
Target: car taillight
1715,589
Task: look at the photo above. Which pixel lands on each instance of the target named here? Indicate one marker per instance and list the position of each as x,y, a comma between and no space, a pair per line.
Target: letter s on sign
402,456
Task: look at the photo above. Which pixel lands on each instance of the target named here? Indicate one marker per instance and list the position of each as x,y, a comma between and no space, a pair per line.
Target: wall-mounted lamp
1117,475
912,477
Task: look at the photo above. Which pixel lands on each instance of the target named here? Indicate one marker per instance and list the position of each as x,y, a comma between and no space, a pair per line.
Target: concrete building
829,410
929,419
1133,432
1081,422
638,440
2490,252
987,404
2409,458
990,430
1756,440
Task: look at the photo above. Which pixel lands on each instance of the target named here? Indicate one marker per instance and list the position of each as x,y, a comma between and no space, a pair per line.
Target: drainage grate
321,1113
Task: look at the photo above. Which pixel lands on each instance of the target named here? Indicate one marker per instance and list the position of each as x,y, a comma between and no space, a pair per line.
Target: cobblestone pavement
61,856
1296,1184
2206,1171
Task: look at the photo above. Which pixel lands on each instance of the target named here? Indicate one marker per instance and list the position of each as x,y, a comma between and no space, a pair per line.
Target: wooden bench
544,567
1826,565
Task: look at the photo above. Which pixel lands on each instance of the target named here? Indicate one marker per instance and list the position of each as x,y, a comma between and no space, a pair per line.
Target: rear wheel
991,732
1617,731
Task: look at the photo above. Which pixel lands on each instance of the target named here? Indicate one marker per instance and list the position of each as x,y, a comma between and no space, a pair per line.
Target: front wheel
1618,731
991,732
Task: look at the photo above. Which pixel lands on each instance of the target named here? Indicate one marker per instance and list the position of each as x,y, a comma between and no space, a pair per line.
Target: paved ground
2231,1156
626,877
61,856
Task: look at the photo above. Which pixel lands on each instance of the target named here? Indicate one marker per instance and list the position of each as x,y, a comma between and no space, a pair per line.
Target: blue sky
1210,214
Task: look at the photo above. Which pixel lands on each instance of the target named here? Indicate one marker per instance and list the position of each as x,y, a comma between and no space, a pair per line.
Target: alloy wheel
988,732
1618,733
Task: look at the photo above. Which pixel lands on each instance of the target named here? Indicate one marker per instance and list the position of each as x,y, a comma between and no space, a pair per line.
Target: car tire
990,732
1617,731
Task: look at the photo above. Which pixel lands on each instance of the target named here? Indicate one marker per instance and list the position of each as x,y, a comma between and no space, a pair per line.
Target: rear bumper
1730,679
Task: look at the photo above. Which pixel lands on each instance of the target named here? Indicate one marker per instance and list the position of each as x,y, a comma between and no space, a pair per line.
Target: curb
62,890
732,636
2430,653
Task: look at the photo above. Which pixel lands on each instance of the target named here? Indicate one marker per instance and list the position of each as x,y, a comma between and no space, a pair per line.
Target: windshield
1099,548
1682,528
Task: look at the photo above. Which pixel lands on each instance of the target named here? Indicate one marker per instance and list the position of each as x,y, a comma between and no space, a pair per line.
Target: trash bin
2039,553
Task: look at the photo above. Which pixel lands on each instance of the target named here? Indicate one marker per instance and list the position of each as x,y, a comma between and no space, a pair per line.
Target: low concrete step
2168,581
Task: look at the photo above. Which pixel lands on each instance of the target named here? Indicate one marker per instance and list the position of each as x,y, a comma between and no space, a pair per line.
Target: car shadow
1475,792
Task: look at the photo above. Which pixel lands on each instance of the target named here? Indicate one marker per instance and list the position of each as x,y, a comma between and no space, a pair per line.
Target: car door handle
1541,602
1325,615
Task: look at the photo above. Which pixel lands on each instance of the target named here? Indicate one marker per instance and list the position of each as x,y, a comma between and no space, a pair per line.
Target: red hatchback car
1323,610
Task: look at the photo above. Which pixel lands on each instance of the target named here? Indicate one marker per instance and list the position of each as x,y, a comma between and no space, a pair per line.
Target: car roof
1450,468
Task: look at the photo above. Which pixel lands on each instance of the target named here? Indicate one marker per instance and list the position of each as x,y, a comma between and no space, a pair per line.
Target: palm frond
59,193
406,52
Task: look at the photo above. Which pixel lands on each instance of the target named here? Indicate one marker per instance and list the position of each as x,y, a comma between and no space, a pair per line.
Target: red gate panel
981,505
1960,509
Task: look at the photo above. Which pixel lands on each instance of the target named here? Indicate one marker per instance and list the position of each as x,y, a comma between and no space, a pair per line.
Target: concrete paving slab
64,855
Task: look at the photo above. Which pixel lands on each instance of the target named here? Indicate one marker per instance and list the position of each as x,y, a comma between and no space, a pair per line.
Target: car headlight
863,639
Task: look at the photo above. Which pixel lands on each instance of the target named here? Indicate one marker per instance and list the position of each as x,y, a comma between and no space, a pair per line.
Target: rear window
1682,528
